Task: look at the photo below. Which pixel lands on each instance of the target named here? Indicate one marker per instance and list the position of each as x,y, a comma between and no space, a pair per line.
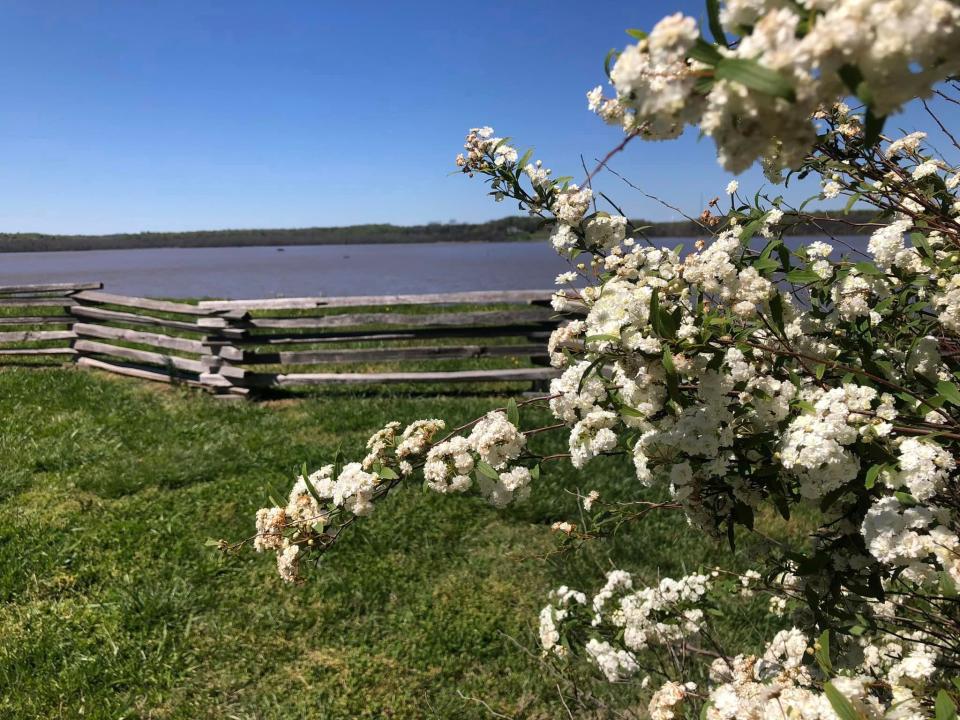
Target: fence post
221,331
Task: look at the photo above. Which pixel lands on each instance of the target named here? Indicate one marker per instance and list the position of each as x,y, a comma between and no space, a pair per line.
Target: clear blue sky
200,114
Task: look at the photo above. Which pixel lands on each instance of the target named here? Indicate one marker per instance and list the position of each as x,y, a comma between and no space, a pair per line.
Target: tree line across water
505,229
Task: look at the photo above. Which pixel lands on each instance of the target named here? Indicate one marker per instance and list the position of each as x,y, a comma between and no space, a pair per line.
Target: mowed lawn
112,605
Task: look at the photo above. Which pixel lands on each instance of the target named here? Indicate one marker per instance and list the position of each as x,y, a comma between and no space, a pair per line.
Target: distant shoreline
511,229
4,249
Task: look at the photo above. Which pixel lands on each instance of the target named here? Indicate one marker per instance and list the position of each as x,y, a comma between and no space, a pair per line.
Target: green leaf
513,413
749,230
871,478
755,76
822,655
713,18
636,34
601,337
764,264
388,474
535,472
704,710
663,323
944,708
802,277
853,198
948,587
310,488
589,371
210,542
949,392
607,64
783,252
872,127
906,499
655,311
673,380
841,706
486,469
919,240
804,405
705,52
819,370
853,79
865,268
522,163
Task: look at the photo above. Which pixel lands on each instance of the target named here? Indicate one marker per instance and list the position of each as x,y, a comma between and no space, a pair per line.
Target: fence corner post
221,358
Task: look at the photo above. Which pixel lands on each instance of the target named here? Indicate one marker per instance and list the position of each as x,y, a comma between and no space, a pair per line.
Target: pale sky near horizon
207,114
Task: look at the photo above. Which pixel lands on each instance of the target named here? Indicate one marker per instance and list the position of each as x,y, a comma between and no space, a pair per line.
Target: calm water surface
262,272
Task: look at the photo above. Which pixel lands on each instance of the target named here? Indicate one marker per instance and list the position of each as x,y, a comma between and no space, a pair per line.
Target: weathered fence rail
230,347
35,320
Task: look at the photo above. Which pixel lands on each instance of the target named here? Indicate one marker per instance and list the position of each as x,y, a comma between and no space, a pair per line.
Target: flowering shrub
743,374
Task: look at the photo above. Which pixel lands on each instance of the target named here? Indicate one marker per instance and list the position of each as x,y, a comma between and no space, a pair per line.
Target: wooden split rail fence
230,347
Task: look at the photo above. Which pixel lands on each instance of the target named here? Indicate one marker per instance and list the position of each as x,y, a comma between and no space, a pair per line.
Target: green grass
111,605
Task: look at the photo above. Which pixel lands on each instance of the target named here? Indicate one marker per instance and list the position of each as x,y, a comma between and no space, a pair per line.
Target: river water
331,270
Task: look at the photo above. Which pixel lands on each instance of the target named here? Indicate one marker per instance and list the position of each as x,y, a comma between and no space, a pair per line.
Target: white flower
605,231
448,466
928,167
592,436
509,486
909,144
572,204
924,467
667,702
496,439
831,190
562,526
589,499
354,489
288,563
886,243
615,664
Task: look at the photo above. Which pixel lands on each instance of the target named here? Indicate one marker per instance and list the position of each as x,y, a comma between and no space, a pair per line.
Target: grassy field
111,605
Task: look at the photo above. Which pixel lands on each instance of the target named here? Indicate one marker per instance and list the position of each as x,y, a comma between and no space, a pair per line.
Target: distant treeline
827,222
505,229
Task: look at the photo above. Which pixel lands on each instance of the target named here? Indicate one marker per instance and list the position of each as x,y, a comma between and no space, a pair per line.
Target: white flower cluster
902,47
616,664
417,437
496,440
745,291
668,701
814,445
947,301
592,436
778,684
917,540
662,615
924,467
887,247
905,661
449,465
481,142
563,338
563,599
